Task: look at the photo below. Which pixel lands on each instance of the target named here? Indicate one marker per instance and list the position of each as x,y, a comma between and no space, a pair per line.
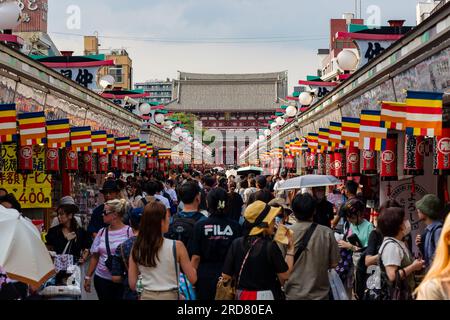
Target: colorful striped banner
81,138
393,115
32,128
371,133
122,145
424,113
164,153
8,122
313,143
350,131
58,133
111,143
99,141
143,150
323,139
335,134
149,149
135,146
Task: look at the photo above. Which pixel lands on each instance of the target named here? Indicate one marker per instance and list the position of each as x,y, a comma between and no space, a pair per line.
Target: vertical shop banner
32,190
52,160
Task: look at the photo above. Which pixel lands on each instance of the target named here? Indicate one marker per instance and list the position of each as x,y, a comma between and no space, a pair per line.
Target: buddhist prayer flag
149,149
99,141
58,133
8,122
335,133
135,147
424,113
81,138
371,134
313,143
122,145
164,153
143,149
111,143
393,115
350,131
323,138
32,128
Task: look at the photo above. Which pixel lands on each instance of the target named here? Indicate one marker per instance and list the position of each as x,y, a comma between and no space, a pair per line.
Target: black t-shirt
262,266
56,239
213,237
261,195
375,242
235,204
324,213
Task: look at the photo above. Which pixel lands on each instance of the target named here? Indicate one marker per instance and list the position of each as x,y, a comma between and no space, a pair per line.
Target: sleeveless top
163,277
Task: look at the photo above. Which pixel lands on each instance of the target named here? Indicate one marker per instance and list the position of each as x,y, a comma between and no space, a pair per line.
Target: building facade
160,91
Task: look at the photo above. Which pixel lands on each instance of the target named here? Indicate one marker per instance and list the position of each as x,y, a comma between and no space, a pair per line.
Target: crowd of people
177,237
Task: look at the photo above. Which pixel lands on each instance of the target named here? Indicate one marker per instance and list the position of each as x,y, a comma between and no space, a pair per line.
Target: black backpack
182,228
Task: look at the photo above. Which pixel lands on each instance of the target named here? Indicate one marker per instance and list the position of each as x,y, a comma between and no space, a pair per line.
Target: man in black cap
263,194
110,191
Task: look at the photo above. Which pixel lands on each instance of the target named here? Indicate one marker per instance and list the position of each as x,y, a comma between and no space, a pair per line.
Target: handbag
337,287
109,259
64,261
226,289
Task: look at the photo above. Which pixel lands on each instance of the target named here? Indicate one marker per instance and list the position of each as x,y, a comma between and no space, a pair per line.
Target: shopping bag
63,262
187,291
337,287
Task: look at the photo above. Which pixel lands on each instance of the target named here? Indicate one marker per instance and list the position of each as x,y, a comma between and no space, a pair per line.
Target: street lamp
9,15
291,111
347,60
273,125
159,118
280,121
145,108
267,132
306,98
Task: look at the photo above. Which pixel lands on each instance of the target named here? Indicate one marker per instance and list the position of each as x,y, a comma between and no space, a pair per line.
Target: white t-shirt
393,253
172,193
163,200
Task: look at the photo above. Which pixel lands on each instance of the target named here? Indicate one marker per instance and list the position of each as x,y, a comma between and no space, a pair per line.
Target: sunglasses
107,213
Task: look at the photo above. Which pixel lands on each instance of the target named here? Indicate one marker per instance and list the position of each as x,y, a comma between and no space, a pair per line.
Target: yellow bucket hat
259,215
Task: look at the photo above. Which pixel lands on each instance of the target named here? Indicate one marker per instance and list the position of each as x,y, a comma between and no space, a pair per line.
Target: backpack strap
245,259
122,254
433,242
144,201
108,249
174,250
304,241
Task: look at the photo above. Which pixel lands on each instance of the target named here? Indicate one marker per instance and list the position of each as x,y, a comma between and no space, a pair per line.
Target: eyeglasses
106,213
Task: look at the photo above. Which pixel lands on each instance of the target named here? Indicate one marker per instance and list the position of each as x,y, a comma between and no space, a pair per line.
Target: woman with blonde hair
436,284
157,259
103,249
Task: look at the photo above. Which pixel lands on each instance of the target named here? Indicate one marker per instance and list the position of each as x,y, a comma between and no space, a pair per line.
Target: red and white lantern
130,163
103,163
25,159
389,159
369,162
289,162
87,162
114,161
52,160
339,164
442,153
329,163
123,163
150,163
71,160
321,164
414,155
353,161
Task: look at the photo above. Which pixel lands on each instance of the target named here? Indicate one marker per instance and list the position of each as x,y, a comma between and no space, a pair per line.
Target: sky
212,36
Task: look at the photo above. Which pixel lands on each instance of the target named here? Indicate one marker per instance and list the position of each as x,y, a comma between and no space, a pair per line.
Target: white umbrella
218,168
231,173
248,170
23,255
309,181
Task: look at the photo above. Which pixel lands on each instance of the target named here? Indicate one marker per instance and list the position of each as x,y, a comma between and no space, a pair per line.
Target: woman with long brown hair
157,259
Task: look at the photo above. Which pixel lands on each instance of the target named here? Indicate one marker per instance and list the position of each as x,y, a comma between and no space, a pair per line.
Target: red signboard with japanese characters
33,190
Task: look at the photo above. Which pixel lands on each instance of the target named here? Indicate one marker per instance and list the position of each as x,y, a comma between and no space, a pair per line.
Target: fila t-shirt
213,237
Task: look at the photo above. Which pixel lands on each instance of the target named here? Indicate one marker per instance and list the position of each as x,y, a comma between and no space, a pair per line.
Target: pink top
116,238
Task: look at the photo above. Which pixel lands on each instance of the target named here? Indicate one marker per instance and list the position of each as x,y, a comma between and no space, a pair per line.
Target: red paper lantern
130,163
321,165
71,160
442,153
103,163
329,163
150,163
114,161
414,155
369,162
389,159
353,161
52,160
339,164
123,163
87,162
289,162
25,159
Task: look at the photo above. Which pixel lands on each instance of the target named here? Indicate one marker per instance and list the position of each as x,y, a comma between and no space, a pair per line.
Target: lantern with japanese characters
114,161
25,159
369,162
123,163
52,160
321,163
442,153
389,159
289,162
163,164
339,164
414,155
87,162
353,161
329,163
150,163
130,163
103,163
71,160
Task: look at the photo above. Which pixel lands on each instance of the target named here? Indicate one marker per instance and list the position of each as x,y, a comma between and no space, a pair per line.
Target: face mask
407,226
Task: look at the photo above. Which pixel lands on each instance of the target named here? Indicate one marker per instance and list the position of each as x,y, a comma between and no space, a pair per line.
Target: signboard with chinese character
34,16
87,77
31,190
370,49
